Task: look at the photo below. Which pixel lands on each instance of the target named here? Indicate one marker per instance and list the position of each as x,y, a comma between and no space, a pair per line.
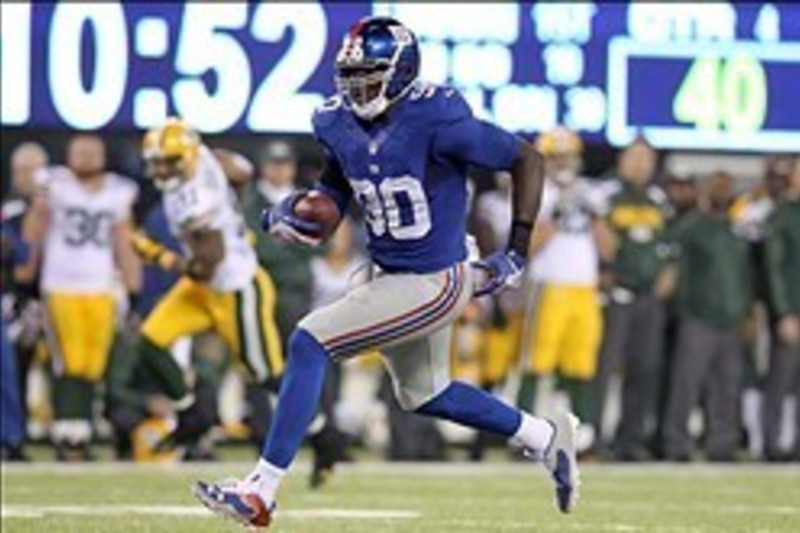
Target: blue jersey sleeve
462,137
333,182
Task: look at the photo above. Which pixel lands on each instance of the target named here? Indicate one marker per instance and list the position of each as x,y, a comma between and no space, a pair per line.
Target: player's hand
282,222
503,270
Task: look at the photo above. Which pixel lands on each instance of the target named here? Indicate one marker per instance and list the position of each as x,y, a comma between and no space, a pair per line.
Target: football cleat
234,500
560,459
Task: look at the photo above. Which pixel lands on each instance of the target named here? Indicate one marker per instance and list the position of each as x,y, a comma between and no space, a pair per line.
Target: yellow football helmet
562,149
171,152
558,141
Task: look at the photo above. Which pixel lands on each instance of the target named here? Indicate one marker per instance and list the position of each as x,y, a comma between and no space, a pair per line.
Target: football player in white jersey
223,289
571,238
79,228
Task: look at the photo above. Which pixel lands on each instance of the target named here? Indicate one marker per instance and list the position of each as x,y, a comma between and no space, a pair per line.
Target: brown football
318,207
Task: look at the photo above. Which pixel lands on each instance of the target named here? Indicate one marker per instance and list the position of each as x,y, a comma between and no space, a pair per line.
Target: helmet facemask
170,154
365,87
167,173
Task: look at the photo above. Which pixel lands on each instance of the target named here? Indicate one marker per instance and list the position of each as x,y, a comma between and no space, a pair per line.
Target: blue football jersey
408,173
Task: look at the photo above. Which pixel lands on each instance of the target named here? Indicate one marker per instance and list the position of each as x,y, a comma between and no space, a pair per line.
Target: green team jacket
638,217
714,280
782,257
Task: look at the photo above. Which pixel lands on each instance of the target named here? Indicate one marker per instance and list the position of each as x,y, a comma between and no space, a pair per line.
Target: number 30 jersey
206,200
78,249
407,170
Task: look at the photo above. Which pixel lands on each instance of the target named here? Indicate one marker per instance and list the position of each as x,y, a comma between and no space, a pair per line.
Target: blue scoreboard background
697,76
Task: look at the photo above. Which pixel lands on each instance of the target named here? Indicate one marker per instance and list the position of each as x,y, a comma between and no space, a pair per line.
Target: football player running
223,288
401,149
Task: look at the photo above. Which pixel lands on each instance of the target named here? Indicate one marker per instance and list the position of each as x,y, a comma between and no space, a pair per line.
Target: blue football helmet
376,65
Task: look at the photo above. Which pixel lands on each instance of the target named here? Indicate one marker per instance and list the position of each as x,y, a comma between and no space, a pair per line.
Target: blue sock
473,407
298,399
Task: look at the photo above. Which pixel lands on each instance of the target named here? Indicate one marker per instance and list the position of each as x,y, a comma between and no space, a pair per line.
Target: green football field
373,497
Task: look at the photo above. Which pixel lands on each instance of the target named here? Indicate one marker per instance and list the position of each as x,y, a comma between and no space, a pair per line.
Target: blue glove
281,221
503,269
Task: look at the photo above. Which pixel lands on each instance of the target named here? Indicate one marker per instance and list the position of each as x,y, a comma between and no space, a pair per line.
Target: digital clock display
697,76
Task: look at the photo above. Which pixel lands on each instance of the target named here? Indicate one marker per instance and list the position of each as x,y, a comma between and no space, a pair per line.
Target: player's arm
153,252
527,178
127,260
34,229
480,143
484,236
775,252
283,221
544,231
605,238
237,168
334,184
505,268
207,251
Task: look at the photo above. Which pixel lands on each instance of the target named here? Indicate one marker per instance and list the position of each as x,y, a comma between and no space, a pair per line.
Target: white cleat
234,500
560,459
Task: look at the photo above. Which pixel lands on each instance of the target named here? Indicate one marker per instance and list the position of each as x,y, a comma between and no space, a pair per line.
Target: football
318,207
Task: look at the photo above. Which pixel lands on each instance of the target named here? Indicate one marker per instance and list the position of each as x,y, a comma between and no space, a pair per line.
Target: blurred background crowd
662,301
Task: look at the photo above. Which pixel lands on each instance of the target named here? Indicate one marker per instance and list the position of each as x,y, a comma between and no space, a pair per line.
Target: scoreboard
695,76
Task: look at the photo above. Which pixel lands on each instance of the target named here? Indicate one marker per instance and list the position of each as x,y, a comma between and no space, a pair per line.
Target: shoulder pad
127,187
324,119
326,114
442,103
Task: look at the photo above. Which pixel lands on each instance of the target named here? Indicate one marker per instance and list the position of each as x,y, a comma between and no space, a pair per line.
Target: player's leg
578,362
101,314
501,349
180,313
691,362
549,324
616,328
68,333
250,331
12,416
388,311
255,340
782,375
498,352
642,362
420,370
385,310
723,392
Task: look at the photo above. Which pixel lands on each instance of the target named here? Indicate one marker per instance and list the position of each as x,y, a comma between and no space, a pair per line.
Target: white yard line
39,511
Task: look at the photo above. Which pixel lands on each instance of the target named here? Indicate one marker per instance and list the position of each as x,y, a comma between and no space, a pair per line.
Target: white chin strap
371,109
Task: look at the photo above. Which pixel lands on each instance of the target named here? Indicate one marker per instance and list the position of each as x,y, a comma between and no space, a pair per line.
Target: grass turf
427,498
